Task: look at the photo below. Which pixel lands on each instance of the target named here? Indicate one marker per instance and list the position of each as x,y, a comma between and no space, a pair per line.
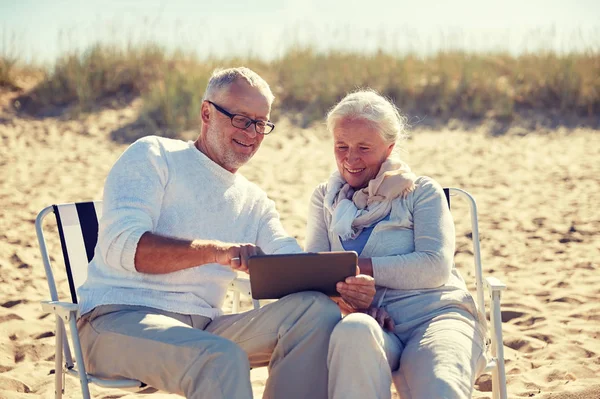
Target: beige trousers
199,358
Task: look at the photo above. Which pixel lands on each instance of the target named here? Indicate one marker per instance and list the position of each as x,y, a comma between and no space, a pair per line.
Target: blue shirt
358,244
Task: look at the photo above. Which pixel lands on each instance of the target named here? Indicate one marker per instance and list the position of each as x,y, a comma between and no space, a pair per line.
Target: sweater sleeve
430,264
133,195
272,238
317,237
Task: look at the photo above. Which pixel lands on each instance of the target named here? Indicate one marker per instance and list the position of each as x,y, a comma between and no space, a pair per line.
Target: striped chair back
78,231
447,194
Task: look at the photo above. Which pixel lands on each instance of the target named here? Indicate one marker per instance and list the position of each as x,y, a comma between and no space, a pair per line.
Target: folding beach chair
77,225
494,344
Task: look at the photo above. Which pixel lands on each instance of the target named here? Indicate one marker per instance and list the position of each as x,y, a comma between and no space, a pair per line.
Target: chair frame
67,312
494,287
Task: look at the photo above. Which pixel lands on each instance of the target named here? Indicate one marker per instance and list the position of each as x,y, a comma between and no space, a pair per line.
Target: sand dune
537,196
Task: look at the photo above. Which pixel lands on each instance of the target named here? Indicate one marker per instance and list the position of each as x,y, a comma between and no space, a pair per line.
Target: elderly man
178,222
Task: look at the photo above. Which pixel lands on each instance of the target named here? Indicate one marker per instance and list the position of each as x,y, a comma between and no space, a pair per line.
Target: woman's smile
355,171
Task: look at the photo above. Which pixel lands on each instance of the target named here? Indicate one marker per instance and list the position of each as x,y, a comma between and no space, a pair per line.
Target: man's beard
229,158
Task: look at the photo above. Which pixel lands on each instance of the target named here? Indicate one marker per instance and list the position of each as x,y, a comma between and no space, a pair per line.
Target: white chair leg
235,308
85,389
495,393
58,358
498,374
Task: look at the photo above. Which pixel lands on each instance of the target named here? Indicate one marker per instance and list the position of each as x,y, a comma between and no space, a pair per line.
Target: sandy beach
537,194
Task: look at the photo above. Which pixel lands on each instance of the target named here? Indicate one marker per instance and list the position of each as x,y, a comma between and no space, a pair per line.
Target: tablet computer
275,276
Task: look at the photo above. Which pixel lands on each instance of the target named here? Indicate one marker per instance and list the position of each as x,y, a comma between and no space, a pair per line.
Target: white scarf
352,211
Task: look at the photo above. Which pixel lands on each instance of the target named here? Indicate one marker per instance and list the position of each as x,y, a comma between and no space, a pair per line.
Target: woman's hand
357,291
345,308
383,318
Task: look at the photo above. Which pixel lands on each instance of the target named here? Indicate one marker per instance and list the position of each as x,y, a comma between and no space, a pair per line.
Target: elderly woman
422,325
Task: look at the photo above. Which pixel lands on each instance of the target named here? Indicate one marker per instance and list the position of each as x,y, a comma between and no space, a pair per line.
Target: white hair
372,106
221,79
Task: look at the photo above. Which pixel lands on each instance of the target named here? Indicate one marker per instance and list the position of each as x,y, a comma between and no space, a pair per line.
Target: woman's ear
389,150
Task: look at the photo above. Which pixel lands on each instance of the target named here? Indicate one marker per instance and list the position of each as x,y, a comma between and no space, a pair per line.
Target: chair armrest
241,285
494,284
65,310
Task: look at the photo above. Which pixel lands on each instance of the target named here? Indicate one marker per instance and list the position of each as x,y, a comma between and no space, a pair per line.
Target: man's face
225,144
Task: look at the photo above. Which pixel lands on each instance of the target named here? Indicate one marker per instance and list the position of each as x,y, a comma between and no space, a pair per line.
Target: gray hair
222,78
372,106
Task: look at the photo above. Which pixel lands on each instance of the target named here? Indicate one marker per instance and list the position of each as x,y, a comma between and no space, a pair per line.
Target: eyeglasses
243,122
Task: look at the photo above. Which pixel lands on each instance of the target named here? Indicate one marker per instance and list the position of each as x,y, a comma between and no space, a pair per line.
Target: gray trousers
436,350
199,358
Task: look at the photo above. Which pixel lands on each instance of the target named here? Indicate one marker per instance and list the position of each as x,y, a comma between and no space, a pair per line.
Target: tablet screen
275,276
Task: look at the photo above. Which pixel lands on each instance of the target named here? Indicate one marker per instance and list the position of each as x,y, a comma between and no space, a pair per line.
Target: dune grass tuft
306,83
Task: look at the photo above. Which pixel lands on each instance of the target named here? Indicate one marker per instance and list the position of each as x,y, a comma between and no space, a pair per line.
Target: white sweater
168,187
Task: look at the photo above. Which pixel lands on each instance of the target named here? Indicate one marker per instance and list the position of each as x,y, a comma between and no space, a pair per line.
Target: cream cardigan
412,252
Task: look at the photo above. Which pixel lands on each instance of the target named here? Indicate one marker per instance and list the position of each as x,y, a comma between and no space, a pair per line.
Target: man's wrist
208,249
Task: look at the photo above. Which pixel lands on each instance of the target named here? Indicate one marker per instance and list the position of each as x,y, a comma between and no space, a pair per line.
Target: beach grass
447,85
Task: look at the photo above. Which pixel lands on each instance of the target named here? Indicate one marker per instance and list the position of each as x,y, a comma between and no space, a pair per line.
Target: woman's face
359,150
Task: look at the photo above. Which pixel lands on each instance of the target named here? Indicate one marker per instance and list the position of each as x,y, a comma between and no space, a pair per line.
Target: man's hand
357,291
235,255
383,318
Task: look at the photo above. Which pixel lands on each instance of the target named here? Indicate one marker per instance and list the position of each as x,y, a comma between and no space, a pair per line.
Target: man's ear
205,111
